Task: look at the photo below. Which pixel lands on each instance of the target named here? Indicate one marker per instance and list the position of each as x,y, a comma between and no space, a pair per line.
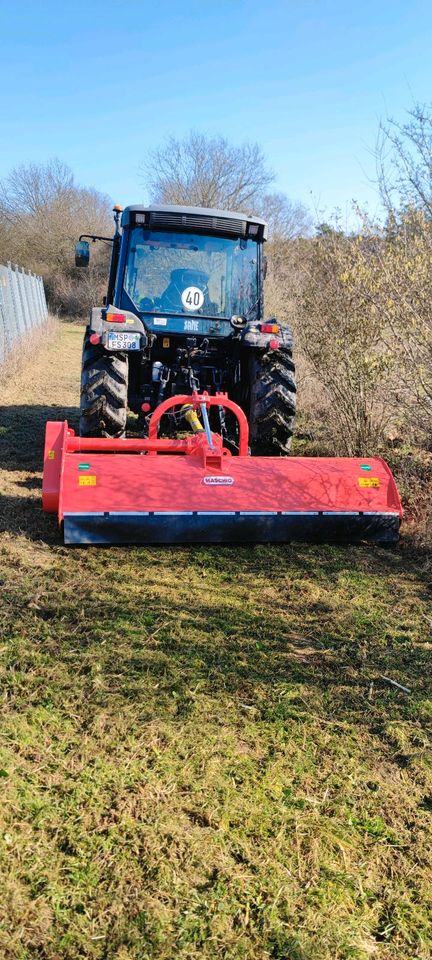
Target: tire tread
104,389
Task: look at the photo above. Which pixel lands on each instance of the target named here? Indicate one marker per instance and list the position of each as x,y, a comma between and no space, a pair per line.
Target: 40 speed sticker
218,481
192,298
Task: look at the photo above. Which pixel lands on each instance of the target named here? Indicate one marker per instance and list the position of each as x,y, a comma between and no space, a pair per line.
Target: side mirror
82,253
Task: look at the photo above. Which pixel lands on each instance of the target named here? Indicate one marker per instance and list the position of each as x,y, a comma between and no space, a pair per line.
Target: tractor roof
205,219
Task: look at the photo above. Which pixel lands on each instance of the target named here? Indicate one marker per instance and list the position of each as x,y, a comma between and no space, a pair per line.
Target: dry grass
412,467
199,756
26,349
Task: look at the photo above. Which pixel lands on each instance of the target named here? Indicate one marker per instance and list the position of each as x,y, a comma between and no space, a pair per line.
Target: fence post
32,298
43,299
38,298
3,315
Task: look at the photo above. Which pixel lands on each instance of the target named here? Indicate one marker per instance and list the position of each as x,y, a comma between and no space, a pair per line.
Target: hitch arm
218,400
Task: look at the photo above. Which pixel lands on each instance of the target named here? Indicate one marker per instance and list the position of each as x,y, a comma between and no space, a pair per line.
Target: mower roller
193,490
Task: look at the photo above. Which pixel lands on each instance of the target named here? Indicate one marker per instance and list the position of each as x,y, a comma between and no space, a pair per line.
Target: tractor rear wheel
104,390
272,402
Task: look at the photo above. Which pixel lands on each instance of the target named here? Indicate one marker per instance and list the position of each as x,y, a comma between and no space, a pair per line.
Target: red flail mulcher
193,490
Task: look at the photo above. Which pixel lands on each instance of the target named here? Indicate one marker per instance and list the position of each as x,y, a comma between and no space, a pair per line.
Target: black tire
104,389
272,402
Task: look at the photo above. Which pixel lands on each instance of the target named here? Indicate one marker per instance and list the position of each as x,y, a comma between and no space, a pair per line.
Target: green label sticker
365,466
83,466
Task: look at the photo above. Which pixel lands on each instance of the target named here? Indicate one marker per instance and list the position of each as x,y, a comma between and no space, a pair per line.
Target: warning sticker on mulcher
218,481
369,482
86,480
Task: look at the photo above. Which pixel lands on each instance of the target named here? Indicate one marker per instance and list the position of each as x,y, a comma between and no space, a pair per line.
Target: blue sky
99,83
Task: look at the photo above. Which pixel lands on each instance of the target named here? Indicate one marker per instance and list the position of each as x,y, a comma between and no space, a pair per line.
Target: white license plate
123,341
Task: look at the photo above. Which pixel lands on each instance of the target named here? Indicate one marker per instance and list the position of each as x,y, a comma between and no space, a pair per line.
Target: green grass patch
199,756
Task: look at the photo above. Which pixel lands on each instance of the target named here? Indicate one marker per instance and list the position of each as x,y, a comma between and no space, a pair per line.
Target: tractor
184,314
181,341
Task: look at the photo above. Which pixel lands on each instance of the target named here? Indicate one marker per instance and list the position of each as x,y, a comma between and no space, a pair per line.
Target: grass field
199,757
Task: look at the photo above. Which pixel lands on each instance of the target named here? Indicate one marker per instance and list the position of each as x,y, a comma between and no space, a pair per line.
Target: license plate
123,341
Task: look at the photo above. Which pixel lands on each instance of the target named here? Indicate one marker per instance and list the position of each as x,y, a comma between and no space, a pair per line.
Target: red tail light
116,318
270,328
94,338
274,344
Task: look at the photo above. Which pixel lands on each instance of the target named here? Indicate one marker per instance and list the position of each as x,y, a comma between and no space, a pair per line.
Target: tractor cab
189,270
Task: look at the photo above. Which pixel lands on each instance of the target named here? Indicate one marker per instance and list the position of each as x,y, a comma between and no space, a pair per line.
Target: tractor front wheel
104,389
272,402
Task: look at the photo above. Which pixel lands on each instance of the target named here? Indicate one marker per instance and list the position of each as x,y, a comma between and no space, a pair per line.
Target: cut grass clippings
199,756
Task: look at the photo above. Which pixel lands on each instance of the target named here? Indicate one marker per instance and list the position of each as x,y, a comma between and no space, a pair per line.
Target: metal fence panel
23,306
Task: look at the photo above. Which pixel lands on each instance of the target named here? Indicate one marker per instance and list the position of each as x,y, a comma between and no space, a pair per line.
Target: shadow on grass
23,515
22,437
274,661
22,433
299,655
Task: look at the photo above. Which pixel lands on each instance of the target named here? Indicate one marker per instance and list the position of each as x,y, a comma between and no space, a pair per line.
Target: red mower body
190,490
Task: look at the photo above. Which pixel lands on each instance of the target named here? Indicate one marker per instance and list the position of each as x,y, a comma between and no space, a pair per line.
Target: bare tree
42,213
31,188
404,162
207,171
287,219
404,167
342,334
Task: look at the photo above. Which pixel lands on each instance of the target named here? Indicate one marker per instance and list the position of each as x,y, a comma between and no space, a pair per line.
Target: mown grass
199,756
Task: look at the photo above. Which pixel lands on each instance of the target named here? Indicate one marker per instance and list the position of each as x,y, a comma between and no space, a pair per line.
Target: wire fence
23,306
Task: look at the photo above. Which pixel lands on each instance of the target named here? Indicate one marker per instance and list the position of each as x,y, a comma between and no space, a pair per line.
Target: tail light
94,338
270,328
116,318
274,344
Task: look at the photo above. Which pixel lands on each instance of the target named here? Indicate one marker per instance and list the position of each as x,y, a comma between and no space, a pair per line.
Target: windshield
191,274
